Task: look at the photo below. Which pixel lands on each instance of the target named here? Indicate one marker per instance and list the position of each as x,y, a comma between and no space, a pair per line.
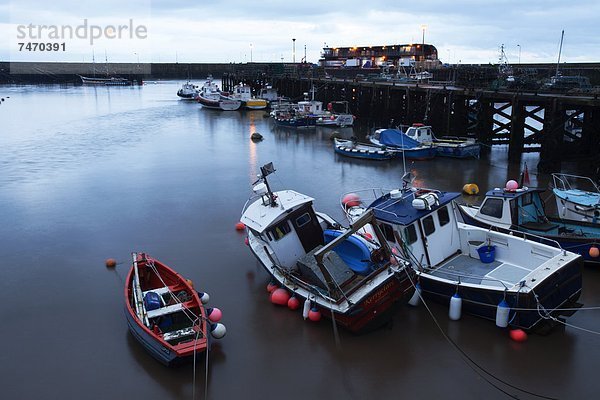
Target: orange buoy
280,297
471,189
314,314
518,335
190,282
293,303
240,226
111,262
594,252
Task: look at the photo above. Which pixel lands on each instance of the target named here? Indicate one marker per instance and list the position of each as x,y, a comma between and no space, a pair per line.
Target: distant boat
350,148
111,81
577,197
334,118
164,313
210,96
456,147
243,93
188,91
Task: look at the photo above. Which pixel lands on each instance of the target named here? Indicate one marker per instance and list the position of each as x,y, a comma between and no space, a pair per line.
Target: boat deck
472,270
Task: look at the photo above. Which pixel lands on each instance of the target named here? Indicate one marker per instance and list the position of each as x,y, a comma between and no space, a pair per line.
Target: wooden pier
559,126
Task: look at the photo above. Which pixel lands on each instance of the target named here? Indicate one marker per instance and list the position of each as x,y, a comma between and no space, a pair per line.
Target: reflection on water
92,173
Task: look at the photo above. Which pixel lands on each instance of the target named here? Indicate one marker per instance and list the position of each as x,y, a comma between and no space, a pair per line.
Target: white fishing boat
188,91
447,146
211,97
243,93
577,197
334,270
335,118
496,275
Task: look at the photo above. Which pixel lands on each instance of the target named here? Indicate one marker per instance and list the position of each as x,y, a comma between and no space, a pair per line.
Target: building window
492,207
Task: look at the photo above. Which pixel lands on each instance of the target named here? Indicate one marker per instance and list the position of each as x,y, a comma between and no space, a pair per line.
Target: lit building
395,55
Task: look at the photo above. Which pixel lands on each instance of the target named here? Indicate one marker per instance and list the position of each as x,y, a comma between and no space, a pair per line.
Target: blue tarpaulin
396,138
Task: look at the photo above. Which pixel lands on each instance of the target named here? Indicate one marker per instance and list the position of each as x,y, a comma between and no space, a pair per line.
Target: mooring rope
479,370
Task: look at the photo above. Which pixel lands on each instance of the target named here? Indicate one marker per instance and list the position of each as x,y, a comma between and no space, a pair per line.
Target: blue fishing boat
481,271
395,139
351,148
522,209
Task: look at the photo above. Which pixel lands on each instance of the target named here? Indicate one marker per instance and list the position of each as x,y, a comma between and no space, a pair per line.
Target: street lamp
250,52
293,50
423,27
519,46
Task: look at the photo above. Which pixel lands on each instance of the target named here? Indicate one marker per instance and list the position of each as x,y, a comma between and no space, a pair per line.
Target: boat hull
425,153
460,151
362,151
372,312
556,291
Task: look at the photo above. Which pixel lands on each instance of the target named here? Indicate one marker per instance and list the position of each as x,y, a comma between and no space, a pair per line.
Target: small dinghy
350,148
165,314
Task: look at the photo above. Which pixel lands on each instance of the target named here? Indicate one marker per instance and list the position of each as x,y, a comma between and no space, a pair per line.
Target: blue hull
459,152
152,346
417,153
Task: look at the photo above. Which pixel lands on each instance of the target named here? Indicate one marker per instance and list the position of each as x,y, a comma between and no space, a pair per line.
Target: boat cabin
517,209
420,221
420,133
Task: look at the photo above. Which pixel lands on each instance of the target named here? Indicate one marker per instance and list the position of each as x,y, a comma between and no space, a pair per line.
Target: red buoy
594,252
293,303
280,297
214,314
368,236
518,335
351,200
246,242
271,287
240,226
314,314
111,262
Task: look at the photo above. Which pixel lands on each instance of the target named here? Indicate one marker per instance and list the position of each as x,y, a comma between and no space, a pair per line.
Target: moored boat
243,93
350,148
446,146
395,139
522,209
188,91
210,96
577,197
108,81
164,313
334,270
481,271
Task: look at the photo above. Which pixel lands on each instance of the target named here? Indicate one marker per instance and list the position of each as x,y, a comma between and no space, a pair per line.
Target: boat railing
461,277
527,236
569,182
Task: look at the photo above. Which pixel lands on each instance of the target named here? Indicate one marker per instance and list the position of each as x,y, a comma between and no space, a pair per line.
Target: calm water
92,173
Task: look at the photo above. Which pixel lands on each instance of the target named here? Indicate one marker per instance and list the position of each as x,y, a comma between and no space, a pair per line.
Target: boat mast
264,171
562,35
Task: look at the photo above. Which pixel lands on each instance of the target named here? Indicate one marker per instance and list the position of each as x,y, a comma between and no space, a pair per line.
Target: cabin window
388,232
279,231
302,220
492,208
443,215
410,234
526,199
428,225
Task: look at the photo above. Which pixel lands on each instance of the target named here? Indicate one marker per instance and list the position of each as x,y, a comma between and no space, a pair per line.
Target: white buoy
204,297
415,300
218,330
502,313
455,307
306,308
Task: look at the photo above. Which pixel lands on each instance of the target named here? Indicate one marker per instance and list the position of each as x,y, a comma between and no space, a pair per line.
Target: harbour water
94,173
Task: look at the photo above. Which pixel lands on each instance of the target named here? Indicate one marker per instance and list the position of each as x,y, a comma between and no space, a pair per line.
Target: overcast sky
469,31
